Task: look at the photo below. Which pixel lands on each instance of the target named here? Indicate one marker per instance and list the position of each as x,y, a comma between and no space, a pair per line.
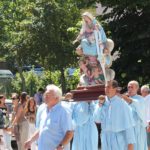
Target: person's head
2,99
111,88
52,95
145,90
82,63
23,97
83,60
40,90
68,96
133,87
87,17
79,50
15,98
106,51
31,104
97,69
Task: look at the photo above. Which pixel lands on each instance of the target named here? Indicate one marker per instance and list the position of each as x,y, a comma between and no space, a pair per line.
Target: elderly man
138,107
116,120
55,129
145,92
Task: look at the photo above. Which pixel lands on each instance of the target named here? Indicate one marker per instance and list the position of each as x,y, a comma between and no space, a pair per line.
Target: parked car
6,74
35,69
6,77
38,71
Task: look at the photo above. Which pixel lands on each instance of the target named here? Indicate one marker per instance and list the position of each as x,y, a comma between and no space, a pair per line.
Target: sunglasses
13,98
130,87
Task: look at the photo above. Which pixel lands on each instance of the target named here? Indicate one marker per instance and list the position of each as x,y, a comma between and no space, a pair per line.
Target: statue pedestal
87,93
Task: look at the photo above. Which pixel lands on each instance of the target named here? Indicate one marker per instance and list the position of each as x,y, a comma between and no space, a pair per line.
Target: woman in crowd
20,123
4,109
30,113
4,125
15,101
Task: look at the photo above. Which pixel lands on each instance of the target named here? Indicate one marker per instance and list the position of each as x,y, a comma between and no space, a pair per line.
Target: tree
52,39
130,31
16,21
38,32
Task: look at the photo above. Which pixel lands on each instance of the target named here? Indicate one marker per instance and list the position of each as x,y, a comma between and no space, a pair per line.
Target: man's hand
101,100
27,144
130,147
60,147
148,128
7,129
126,98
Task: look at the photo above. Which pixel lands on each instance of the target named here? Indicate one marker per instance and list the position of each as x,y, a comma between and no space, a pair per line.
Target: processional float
95,59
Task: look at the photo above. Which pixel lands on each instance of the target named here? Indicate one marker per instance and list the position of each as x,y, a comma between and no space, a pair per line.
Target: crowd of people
20,121
55,123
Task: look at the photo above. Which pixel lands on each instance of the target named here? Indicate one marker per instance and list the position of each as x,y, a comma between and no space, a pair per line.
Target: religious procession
96,115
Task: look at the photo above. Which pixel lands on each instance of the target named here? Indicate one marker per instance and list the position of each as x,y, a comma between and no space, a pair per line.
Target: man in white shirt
55,127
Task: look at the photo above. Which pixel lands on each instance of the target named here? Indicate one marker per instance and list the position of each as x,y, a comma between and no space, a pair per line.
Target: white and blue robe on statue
138,106
117,124
90,48
86,133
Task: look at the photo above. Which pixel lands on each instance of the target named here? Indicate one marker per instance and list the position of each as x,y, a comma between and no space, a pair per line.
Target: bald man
145,92
137,104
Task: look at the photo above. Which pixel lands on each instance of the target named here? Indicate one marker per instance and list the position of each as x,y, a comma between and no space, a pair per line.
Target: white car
6,73
6,77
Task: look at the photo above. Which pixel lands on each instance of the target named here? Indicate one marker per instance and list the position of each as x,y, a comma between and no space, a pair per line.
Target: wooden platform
88,93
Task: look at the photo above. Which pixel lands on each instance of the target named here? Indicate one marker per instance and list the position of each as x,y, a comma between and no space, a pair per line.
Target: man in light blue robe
116,120
138,106
145,92
85,134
